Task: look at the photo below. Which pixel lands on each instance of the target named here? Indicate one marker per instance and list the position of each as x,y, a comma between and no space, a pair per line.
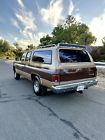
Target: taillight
55,78
94,71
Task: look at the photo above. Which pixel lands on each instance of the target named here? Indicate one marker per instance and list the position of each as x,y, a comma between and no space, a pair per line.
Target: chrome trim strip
22,65
75,81
33,67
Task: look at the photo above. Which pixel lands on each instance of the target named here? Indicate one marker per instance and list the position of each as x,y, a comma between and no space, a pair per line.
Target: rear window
73,56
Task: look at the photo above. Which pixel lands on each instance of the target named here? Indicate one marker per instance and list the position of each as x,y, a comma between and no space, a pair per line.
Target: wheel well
34,76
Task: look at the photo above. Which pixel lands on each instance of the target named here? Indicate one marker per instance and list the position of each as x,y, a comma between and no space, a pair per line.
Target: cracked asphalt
69,116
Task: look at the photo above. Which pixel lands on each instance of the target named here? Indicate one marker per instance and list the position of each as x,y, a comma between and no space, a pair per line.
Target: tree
70,21
6,50
30,47
58,34
96,54
10,54
103,41
85,37
46,40
18,51
4,46
70,32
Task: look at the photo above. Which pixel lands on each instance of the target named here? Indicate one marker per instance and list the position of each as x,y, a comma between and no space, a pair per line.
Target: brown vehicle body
54,74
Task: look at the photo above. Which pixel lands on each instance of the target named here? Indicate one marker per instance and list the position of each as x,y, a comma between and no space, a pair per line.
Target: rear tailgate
75,65
77,72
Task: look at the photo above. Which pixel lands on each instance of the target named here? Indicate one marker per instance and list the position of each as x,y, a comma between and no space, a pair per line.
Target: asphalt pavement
69,116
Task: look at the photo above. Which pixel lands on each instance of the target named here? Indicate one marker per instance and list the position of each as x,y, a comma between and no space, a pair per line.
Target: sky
26,21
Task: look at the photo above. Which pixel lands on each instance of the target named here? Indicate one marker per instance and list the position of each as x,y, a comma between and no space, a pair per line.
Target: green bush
98,54
102,58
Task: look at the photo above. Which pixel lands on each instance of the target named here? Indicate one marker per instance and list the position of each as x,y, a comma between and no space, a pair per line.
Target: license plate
80,88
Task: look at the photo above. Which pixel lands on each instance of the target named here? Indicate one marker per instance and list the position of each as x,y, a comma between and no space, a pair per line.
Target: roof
60,45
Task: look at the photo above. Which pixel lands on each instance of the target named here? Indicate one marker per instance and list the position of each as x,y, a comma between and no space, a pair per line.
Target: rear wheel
38,89
17,76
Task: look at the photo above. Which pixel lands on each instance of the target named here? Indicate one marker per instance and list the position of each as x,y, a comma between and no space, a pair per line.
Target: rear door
27,70
75,64
19,65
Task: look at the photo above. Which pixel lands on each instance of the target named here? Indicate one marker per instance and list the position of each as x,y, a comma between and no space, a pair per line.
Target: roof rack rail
64,45
47,46
71,45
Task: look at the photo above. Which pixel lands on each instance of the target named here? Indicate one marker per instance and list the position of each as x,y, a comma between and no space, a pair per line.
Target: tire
17,76
81,92
38,89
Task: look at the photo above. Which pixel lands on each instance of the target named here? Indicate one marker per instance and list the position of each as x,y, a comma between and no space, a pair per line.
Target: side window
28,56
44,57
23,56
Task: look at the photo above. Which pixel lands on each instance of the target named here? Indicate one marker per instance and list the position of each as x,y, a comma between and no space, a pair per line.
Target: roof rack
71,45
64,45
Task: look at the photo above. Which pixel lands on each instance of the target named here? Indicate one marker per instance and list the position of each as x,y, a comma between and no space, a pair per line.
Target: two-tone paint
68,72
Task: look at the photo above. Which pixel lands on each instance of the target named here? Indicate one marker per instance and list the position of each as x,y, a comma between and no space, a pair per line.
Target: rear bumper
73,86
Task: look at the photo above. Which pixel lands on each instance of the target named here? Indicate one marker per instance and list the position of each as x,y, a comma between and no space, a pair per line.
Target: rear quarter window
23,56
28,56
44,57
73,56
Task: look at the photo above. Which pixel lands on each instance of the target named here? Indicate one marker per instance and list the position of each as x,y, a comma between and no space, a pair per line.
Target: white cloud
97,27
27,20
20,2
38,36
5,39
78,17
71,8
52,15
23,43
15,39
15,23
1,38
26,23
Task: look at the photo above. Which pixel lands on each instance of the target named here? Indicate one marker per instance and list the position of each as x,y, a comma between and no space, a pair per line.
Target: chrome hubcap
36,86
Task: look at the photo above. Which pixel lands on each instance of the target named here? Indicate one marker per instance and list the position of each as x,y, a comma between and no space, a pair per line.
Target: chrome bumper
73,86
